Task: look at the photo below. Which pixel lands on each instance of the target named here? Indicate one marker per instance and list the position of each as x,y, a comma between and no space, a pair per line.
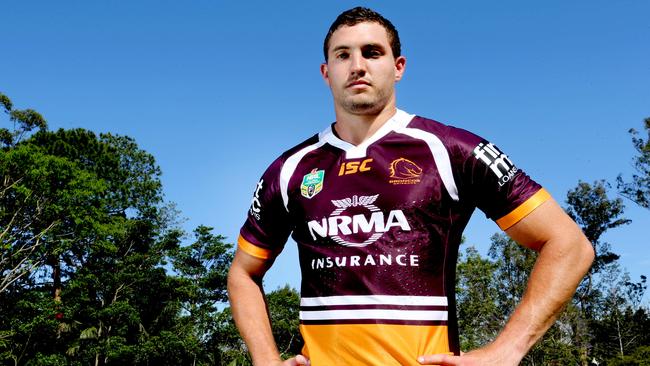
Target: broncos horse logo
404,169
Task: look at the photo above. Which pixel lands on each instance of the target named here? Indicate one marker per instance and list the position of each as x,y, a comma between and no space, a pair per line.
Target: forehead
358,35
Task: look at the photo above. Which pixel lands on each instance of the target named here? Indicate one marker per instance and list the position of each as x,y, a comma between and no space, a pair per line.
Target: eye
372,53
342,55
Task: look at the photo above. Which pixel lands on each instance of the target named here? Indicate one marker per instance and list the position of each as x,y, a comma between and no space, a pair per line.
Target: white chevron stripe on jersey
440,156
289,168
388,314
374,300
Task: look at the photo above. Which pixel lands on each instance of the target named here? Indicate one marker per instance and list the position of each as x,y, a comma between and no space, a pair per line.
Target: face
361,70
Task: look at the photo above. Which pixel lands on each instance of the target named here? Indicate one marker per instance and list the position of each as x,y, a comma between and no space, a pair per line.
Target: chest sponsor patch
357,222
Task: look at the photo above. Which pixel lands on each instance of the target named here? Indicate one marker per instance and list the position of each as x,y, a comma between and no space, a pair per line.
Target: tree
25,211
640,357
283,306
479,316
513,264
85,236
638,189
623,325
584,330
595,213
202,269
24,121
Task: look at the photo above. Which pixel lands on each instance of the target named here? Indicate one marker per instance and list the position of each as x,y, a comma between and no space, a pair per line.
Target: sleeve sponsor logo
256,205
496,160
404,171
312,183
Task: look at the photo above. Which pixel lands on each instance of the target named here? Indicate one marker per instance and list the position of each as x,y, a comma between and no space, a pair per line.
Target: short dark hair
358,15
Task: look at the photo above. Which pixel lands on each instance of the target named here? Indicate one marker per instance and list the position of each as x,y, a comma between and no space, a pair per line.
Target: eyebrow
337,48
365,46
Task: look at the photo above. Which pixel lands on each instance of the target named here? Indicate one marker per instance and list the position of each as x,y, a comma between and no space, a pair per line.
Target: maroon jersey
378,227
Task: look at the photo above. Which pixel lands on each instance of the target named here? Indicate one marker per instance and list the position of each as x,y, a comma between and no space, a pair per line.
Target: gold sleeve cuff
523,210
253,249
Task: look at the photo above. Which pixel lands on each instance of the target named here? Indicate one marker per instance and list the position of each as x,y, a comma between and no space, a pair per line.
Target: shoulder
311,141
276,166
457,141
447,133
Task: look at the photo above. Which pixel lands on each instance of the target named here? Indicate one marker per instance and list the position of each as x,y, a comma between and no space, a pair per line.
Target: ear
400,67
324,73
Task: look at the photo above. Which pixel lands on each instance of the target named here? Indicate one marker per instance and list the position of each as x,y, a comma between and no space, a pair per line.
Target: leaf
89,333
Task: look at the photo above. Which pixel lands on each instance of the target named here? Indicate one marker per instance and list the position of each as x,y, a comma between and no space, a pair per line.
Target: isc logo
354,167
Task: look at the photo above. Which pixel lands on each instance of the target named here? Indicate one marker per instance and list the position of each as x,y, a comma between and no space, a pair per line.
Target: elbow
237,278
589,252
585,253
231,282
241,276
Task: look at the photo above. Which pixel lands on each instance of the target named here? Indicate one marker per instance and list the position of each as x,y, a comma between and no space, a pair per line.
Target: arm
565,256
249,310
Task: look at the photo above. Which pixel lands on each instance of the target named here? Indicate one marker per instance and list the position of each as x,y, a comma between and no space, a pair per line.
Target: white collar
399,120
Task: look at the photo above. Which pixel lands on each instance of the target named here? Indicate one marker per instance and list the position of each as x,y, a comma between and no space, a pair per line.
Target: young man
377,204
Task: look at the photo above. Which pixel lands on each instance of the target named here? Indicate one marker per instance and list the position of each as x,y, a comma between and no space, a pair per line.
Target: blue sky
216,90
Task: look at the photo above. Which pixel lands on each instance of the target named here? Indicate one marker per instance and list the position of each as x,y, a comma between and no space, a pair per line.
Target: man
377,204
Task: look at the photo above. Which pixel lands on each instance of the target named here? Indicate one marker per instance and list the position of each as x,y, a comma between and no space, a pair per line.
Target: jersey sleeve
267,226
489,178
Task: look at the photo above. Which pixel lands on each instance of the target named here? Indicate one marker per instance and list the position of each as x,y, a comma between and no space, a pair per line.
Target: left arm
565,256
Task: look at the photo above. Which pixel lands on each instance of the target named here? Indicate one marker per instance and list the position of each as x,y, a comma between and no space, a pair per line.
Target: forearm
251,316
557,272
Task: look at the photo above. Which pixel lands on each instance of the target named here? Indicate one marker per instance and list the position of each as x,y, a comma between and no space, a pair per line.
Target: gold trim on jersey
523,210
372,344
253,249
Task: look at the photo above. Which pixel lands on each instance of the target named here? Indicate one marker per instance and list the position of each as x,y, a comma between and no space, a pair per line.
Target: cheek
388,76
386,71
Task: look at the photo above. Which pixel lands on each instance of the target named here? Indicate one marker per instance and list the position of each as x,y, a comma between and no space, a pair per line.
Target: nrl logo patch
312,183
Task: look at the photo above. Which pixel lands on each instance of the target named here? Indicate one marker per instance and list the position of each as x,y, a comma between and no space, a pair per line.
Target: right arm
249,310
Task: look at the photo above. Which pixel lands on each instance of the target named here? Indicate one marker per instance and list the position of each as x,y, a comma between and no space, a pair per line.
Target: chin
365,109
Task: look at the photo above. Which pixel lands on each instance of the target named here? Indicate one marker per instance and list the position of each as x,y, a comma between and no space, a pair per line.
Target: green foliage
203,265
24,121
638,189
226,344
85,237
640,357
479,318
594,212
513,265
603,321
284,306
42,198
93,270
202,269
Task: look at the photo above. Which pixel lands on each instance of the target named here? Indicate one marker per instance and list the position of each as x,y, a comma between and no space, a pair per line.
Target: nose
357,64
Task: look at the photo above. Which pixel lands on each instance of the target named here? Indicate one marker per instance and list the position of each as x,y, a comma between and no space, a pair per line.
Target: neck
356,128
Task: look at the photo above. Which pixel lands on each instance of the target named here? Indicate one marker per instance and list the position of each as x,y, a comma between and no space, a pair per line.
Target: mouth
357,83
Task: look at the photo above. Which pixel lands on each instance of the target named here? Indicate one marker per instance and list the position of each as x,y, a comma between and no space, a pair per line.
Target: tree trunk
620,340
99,337
56,278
